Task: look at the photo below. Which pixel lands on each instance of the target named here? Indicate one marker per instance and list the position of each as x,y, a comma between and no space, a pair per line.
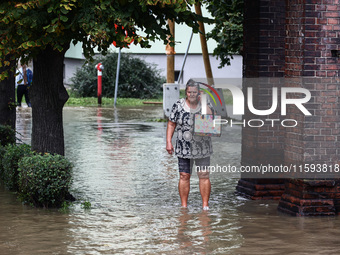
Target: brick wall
312,29
312,43
264,47
312,36
310,198
298,40
295,40
264,51
264,38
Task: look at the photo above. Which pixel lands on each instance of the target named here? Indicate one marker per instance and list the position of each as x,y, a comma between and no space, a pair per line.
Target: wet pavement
123,170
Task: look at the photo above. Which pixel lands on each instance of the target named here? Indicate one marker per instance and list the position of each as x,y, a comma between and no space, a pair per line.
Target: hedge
44,180
7,135
13,154
39,180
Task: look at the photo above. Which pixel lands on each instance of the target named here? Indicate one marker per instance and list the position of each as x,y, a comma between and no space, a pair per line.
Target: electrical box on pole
170,96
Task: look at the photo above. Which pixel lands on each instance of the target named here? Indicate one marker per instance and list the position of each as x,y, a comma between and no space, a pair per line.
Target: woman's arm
169,133
209,111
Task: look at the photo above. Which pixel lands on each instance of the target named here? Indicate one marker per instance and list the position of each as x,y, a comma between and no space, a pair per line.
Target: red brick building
297,41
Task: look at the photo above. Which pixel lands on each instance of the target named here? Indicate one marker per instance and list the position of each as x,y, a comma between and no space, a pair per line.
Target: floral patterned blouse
189,145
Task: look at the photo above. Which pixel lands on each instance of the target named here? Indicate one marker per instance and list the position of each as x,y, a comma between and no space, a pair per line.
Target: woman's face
192,94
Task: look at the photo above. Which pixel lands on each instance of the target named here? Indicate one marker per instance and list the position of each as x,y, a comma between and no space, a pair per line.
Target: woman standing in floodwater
190,148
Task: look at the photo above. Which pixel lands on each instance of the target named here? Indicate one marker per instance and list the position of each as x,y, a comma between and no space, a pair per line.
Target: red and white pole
100,68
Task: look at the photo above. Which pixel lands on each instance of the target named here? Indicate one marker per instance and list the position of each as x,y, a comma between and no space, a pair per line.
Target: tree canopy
42,30
28,27
228,30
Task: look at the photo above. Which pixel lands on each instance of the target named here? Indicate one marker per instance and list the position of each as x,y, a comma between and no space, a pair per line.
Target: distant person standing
23,81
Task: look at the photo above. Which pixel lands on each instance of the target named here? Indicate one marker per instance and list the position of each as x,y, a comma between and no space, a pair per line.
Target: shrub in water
44,180
137,78
13,153
2,153
7,135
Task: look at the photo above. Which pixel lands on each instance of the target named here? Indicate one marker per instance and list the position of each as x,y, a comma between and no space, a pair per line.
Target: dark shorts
185,165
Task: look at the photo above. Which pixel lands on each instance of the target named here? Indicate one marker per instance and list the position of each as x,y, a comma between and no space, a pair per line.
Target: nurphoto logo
302,96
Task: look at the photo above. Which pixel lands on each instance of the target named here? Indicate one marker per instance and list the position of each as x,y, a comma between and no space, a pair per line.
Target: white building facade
194,65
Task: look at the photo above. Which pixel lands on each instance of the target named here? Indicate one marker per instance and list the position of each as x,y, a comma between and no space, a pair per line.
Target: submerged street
122,168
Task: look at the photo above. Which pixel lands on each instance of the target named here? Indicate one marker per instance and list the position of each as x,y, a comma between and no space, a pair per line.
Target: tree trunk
204,47
48,97
7,98
170,56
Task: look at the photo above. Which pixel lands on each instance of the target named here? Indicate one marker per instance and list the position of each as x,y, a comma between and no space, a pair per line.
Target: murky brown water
122,168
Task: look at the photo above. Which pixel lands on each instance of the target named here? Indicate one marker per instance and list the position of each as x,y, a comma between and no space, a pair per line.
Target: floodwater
123,170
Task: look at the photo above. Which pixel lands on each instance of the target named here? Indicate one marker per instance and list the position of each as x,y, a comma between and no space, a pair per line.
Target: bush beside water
13,154
2,153
7,135
40,180
137,78
44,180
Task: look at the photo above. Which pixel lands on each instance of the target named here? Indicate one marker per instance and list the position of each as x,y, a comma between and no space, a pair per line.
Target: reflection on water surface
122,168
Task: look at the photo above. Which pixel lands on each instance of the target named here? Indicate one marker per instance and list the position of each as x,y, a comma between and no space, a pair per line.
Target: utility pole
204,46
170,52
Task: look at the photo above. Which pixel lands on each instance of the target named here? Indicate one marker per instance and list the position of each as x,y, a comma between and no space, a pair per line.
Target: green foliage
159,120
27,27
65,207
86,205
137,79
228,97
44,180
40,180
93,101
228,30
13,154
2,153
7,135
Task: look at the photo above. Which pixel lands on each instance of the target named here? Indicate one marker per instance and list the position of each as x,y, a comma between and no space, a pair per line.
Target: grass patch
158,120
106,101
93,101
228,98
